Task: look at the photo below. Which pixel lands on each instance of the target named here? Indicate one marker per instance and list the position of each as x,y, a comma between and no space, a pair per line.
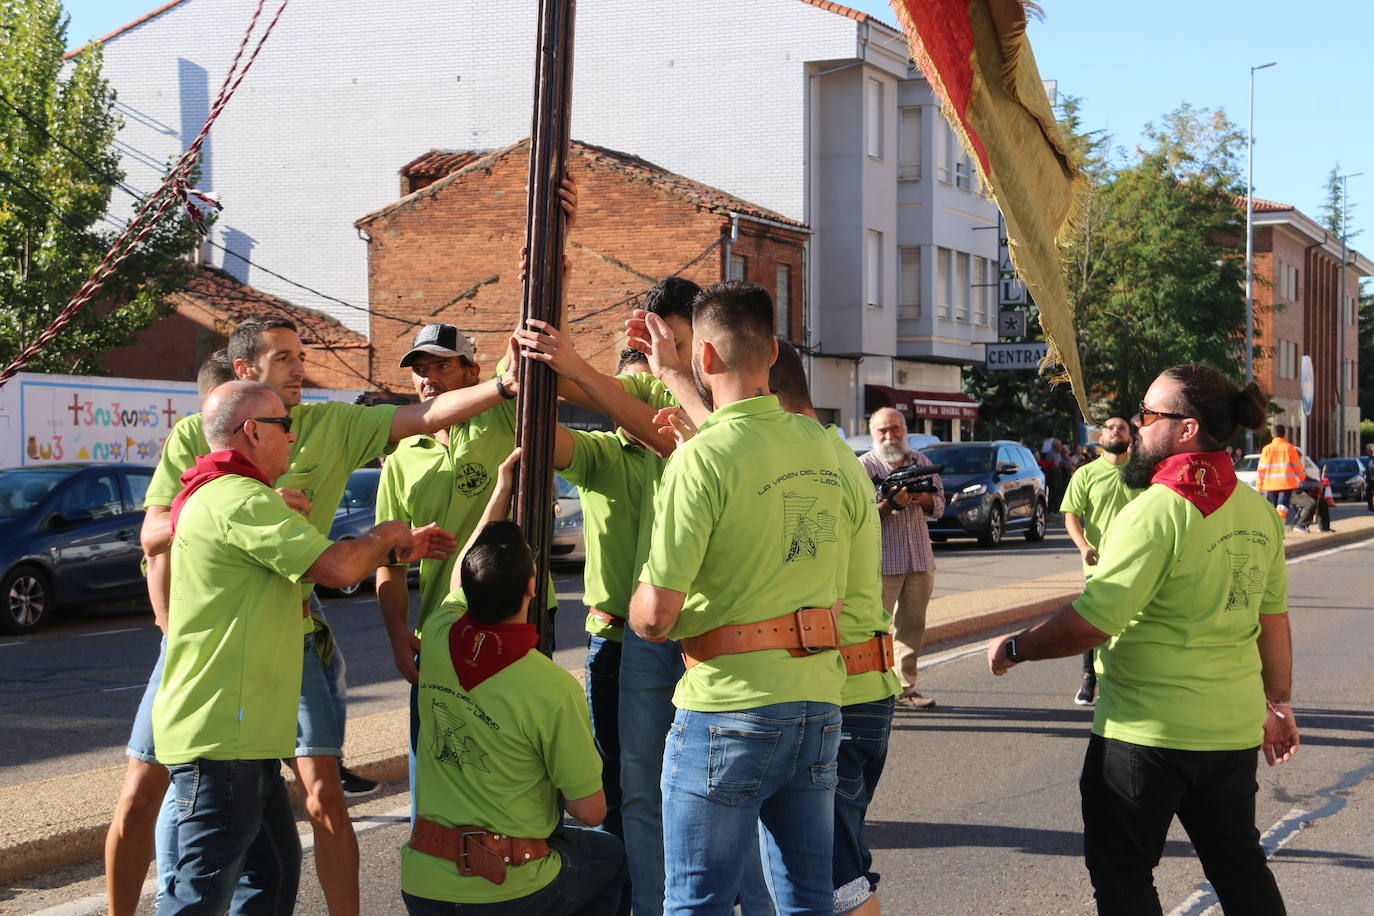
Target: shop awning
937,405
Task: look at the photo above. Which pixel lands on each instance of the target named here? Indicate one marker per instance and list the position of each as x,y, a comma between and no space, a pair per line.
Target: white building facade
802,107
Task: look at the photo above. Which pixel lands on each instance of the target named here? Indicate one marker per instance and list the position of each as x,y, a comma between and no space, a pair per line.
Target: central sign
1001,357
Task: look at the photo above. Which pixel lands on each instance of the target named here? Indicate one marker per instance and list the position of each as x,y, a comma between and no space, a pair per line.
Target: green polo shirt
232,679
423,481
650,390
863,615
750,524
608,470
333,440
1096,494
1181,596
495,757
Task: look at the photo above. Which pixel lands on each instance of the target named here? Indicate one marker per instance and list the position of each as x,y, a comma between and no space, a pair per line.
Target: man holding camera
908,561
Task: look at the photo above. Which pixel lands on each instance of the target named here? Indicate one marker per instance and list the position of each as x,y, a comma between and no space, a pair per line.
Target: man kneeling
503,731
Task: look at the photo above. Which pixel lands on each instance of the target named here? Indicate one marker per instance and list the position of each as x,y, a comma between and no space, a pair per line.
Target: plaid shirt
906,542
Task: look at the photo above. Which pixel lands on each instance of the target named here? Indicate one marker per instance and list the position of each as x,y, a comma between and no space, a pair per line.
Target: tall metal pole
1250,247
1340,322
537,409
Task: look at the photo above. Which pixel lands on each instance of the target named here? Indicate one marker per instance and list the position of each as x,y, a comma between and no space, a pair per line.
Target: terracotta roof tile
1264,206
219,291
124,28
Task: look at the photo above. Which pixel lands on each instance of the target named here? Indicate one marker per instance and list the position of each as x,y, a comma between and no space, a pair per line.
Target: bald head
884,418
226,407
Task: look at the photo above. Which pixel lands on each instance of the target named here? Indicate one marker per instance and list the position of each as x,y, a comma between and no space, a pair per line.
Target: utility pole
1250,247
546,226
1340,321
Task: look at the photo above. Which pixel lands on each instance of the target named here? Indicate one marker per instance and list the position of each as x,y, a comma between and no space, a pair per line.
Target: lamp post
1250,247
1340,322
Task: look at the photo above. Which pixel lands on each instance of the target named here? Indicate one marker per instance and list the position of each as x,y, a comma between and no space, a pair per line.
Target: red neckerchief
212,467
478,651
1205,479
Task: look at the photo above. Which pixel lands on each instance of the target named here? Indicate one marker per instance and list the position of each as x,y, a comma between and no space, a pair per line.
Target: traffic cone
1283,513
1326,491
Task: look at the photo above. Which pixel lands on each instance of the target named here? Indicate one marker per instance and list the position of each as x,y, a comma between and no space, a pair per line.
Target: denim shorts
141,738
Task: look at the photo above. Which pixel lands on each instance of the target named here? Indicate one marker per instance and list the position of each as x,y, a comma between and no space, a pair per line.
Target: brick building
206,310
1297,314
448,250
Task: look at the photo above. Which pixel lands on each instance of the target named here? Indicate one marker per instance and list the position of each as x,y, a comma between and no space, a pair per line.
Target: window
944,150
962,173
1287,359
910,281
873,117
782,302
738,263
96,494
873,268
963,287
909,145
138,487
1348,313
1288,282
942,284
980,291
1349,366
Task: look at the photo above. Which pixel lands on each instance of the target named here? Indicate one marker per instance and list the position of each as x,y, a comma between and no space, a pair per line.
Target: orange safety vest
1280,467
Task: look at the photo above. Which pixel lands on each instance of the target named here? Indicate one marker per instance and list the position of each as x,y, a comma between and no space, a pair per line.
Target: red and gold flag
977,58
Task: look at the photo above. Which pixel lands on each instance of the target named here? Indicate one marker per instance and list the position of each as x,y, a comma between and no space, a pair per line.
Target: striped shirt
906,541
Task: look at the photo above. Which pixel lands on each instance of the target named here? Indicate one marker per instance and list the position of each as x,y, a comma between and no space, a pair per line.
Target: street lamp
1250,247
1340,322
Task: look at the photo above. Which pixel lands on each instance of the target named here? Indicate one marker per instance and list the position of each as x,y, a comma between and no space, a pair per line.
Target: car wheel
1036,531
27,601
992,534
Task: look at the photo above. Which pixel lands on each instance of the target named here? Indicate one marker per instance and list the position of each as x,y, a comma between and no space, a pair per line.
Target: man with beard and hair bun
1095,495
1189,604
908,560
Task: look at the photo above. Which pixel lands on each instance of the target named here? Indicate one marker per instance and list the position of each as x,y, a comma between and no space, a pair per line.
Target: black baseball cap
439,340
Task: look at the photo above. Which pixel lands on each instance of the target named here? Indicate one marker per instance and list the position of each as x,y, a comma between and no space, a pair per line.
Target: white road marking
107,632
117,689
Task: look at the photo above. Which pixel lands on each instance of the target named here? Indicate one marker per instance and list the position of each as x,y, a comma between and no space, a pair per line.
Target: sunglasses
1145,416
283,422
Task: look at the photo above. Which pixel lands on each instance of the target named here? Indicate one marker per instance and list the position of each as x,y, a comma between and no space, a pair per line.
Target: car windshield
970,460
1248,463
360,492
21,489
1342,466
564,489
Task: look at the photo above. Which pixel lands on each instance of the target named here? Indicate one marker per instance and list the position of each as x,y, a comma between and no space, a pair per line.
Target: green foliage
1366,360
57,174
1336,211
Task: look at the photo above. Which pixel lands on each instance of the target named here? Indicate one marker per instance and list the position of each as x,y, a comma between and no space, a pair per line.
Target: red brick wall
452,255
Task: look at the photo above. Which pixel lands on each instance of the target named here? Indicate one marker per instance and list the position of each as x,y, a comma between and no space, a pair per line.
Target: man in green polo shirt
867,702
1189,607
1095,495
745,569
504,733
225,711
332,440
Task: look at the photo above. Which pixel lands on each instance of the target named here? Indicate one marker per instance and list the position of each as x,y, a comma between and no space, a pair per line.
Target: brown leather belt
605,618
475,850
804,632
870,655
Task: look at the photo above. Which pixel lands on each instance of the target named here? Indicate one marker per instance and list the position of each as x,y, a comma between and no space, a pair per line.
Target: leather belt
804,632
609,619
475,850
870,655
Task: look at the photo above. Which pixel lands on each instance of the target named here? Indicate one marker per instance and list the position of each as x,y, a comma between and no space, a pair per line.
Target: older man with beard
908,560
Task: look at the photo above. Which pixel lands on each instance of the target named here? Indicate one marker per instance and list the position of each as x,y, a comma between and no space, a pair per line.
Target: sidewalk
48,823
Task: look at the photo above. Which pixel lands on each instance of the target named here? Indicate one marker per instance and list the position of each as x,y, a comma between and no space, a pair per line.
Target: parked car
69,537
1346,476
569,544
991,488
862,445
1248,469
357,513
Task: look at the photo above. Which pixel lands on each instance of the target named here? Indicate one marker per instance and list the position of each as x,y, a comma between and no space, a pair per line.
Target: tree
57,174
1336,210
1366,356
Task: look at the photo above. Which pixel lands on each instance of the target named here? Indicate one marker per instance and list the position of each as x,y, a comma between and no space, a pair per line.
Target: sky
1130,63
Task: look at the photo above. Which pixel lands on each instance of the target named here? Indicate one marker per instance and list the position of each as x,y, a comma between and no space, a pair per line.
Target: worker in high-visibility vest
1280,471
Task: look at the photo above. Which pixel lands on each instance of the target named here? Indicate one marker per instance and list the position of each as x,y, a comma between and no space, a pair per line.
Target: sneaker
914,700
1087,691
355,786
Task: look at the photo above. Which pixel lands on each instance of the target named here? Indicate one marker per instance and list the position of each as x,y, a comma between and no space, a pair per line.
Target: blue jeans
603,701
141,736
588,884
723,774
236,840
335,678
865,728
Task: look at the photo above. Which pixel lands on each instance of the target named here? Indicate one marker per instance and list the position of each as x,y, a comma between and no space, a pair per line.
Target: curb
378,746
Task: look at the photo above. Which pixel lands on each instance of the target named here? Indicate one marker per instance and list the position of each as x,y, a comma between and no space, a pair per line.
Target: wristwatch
502,390
1011,650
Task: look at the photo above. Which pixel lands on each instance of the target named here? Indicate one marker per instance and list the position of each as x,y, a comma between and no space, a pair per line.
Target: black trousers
1131,794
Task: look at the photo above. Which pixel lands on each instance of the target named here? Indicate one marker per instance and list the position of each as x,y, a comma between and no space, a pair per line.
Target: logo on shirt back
803,532
1246,582
448,747
471,478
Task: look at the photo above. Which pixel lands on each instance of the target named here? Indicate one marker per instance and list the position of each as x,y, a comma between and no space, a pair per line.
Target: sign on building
1001,357
1011,323
1010,289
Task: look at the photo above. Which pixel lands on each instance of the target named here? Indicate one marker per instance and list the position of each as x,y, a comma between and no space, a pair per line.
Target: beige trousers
905,596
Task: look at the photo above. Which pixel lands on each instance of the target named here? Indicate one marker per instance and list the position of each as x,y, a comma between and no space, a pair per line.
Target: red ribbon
212,467
479,651
1205,479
